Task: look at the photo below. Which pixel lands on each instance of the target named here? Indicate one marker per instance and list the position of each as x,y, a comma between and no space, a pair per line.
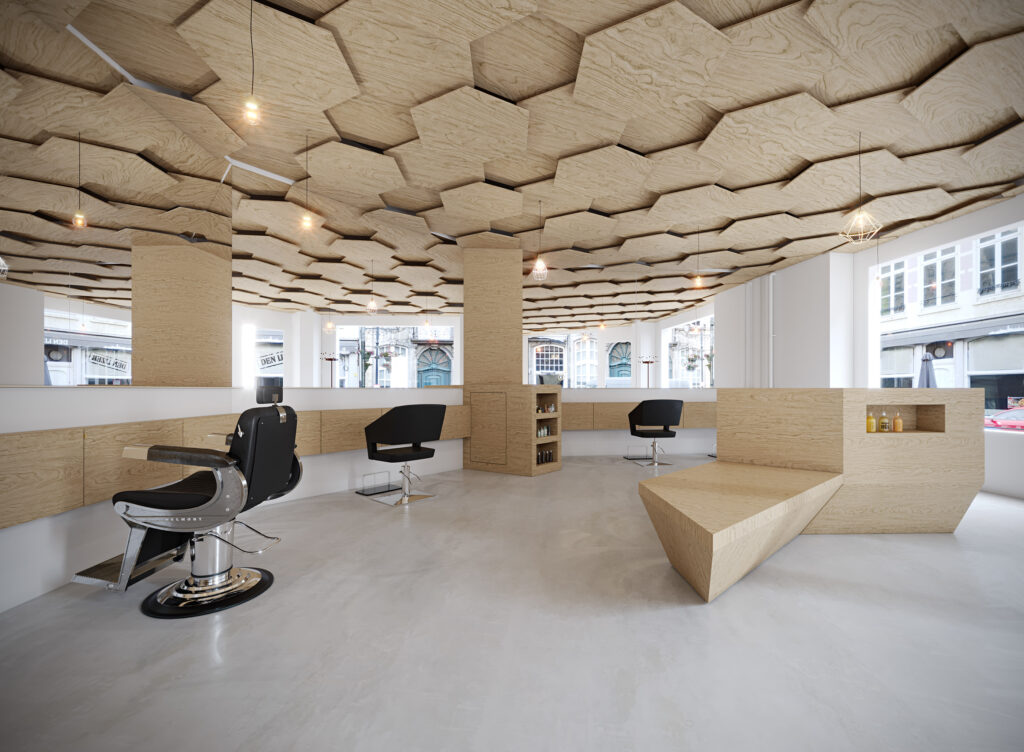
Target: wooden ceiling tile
655,131
888,64
408,234
325,288
945,168
461,19
108,172
771,229
339,217
435,168
395,57
809,246
722,13
639,222
705,206
367,254
484,200
262,270
254,286
833,183
526,57
489,239
341,272
560,125
822,223
149,49
903,206
452,293
419,278
580,227
439,220
351,173
769,56
65,266
568,259
588,173
197,122
272,250
965,100
392,290
58,201
853,26
772,140
590,16
1000,157
370,120
473,123
187,222
248,298
649,63
653,248
979,22
43,229
520,169
544,199
297,63
28,43
681,167
40,105
879,120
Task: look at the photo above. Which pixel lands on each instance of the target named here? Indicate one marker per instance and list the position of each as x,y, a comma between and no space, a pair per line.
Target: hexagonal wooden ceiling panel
603,134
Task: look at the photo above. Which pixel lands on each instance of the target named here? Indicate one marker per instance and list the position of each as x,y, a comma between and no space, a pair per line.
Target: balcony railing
1009,285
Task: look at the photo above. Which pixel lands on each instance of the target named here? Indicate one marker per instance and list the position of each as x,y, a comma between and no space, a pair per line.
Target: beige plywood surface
612,415
488,427
41,473
107,472
700,414
492,318
578,416
308,433
342,430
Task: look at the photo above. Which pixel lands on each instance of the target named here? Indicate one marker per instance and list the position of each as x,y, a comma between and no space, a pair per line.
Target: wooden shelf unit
917,418
503,431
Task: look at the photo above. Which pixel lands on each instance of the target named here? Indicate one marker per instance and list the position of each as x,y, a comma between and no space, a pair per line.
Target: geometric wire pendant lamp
861,226
540,269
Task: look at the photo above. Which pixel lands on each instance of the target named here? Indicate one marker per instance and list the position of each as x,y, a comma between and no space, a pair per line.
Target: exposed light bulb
307,221
251,113
540,270
698,282
79,220
371,307
601,325
330,325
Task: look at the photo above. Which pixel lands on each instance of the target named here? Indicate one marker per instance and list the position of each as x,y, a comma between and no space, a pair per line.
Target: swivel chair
662,413
197,515
406,424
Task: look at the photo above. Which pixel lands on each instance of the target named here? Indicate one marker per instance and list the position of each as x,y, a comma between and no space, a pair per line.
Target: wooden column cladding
181,311
493,311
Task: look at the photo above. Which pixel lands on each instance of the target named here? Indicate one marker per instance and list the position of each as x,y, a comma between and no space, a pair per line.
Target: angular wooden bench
720,520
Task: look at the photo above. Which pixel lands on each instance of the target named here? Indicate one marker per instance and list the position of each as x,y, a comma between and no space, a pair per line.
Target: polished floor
528,614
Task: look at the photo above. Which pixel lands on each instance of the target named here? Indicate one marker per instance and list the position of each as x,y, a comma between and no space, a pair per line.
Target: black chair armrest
179,455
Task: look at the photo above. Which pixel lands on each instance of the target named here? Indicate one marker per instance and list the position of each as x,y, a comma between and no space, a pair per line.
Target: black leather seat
199,512
664,413
408,425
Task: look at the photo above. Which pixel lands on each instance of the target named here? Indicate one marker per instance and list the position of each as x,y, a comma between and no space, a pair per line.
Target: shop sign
271,360
107,360
1015,402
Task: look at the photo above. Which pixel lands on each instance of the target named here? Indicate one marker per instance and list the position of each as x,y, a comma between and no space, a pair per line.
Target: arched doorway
433,368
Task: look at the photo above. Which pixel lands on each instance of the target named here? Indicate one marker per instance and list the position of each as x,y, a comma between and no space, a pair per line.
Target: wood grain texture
700,414
41,473
718,521
188,284
107,472
474,123
308,433
578,416
492,318
342,430
503,431
456,422
488,444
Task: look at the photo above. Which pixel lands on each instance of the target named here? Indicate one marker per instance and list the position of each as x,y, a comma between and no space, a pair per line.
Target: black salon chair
408,425
662,413
197,515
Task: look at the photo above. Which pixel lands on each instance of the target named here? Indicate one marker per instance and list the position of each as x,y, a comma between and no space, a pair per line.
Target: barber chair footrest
197,596
107,573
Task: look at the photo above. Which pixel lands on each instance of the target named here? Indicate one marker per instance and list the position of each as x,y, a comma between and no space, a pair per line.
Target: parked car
1011,420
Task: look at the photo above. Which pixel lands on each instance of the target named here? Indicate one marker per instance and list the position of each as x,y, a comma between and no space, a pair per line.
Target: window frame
997,289
889,271
937,260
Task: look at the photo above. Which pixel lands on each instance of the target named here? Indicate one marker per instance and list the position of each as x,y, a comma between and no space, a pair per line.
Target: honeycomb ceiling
636,144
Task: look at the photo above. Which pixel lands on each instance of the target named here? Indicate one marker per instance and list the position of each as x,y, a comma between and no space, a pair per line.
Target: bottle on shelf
872,423
897,423
884,426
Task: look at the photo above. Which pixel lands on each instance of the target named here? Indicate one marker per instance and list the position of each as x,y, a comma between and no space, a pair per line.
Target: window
549,363
897,367
584,363
996,364
433,368
892,288
691,354
998,269
620,361
938,277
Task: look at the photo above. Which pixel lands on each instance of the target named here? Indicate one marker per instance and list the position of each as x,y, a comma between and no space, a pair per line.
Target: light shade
860,227
79,220
540,270
251,113
371,307
307,221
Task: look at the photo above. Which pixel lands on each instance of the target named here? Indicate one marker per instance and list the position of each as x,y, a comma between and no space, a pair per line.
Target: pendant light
330,320
861,226
307,218
371,306
426,318
540,269
251,113
3,268
601,325
79,221
698,282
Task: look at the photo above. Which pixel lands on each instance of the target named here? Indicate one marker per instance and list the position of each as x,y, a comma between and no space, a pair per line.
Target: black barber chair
662,413
197,515
406,424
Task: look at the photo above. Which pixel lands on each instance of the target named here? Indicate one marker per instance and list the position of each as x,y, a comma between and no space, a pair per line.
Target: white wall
1003,453
45,553
21,335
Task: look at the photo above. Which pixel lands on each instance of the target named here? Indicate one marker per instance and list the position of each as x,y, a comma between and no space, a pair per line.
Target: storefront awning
949,332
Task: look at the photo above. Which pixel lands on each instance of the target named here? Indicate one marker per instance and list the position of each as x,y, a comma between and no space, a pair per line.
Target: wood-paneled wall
49,472
493,316
614,416
181,312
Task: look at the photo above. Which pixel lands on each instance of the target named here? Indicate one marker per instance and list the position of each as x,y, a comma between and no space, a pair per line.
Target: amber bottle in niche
897,423
884,425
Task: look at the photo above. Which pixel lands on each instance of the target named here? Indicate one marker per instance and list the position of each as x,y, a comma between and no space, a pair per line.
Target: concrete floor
535,614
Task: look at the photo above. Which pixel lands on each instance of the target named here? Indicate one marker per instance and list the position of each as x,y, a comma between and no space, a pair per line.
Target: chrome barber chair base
196,596
401,501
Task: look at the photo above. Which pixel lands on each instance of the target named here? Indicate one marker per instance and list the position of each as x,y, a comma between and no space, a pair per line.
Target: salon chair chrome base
654,456
407,496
